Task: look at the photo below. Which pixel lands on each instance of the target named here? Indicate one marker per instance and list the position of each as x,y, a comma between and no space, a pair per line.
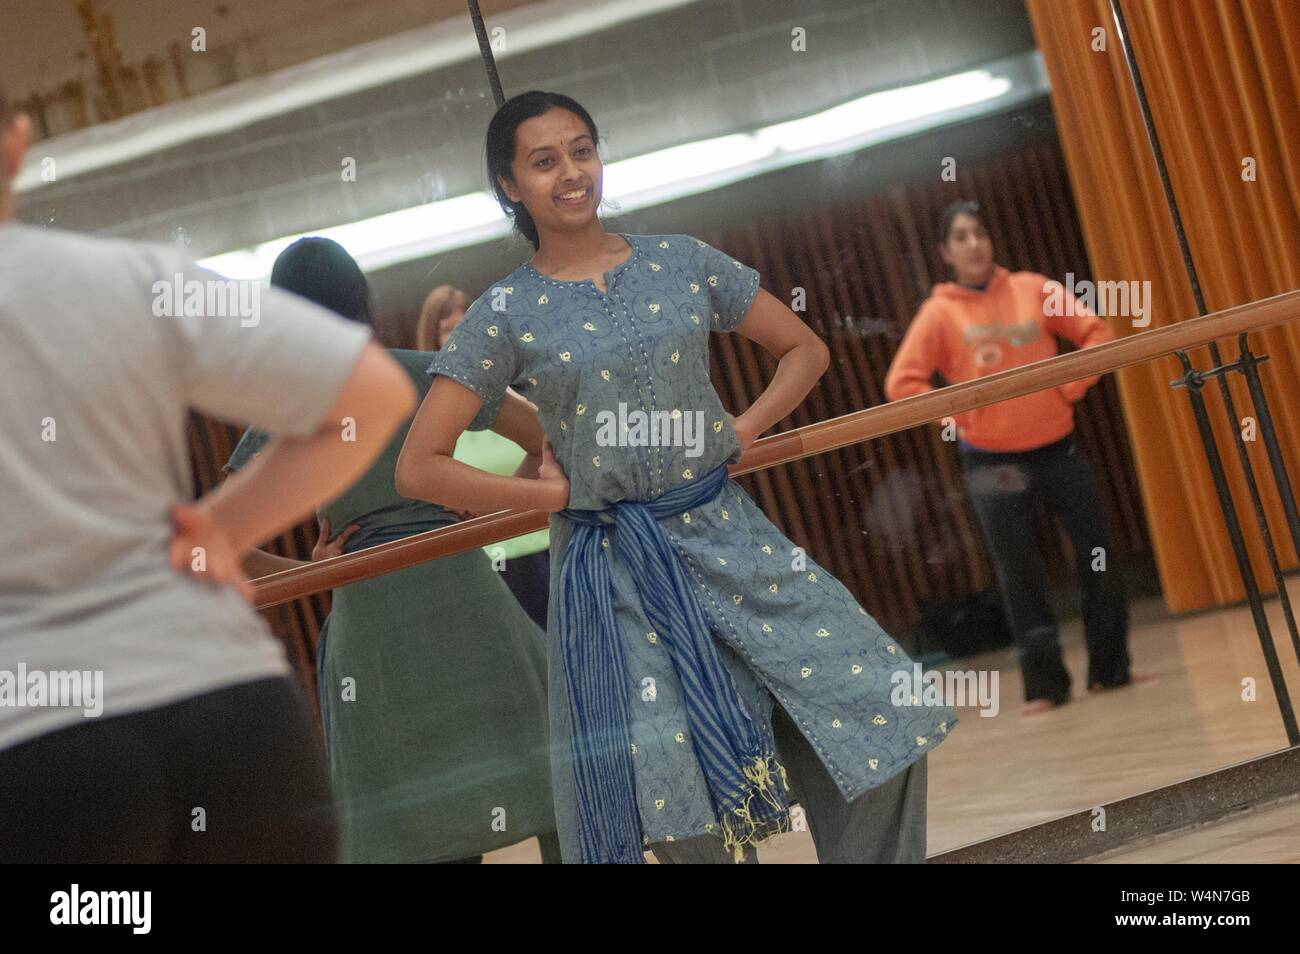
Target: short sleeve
255,354
480,356
732,287
249,446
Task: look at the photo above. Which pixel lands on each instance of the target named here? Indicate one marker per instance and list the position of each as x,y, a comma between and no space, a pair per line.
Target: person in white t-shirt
146,711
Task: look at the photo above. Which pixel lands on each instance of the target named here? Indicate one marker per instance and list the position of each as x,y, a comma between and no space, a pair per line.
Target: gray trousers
885,825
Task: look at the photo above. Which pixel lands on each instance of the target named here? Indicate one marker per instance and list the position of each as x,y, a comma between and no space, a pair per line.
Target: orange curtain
1223,80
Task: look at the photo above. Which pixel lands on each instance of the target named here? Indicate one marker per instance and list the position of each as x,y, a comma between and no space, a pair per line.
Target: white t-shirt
96,382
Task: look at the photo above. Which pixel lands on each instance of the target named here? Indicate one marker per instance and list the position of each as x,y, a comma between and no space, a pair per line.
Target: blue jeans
1003,488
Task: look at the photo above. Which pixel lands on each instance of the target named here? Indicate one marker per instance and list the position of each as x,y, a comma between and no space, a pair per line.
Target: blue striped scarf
735,752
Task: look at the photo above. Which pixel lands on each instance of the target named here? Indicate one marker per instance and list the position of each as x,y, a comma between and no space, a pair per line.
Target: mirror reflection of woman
699,661
430,761
523,561
986,320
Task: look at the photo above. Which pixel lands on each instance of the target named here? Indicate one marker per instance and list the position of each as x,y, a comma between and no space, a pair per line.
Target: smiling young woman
695,655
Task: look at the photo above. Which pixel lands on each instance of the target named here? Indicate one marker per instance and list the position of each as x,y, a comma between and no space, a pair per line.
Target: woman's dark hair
501,146
321,270
949,215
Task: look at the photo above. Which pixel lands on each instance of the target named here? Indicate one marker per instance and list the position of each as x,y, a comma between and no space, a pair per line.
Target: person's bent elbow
409,477
897,388
406,476
823,356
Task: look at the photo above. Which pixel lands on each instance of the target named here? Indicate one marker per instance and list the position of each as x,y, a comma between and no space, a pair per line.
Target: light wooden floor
999,774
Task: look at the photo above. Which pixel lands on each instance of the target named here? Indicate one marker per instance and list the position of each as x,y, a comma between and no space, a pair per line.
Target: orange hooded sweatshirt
965,334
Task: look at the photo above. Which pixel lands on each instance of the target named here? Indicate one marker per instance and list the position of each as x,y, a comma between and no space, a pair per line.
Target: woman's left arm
515,421
1082,328
802,358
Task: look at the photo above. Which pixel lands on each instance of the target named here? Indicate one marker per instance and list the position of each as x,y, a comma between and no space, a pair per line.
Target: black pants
1003,488
529,579
130,788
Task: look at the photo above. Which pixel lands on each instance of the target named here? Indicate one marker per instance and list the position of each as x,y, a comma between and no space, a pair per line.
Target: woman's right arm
920,355
426,469
293,475
256,562
259,563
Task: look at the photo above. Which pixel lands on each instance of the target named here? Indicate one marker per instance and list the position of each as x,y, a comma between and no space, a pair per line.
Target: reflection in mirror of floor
1265,836
999,774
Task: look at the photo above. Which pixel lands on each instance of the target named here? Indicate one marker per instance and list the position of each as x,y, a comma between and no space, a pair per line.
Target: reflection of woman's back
425,750
372,503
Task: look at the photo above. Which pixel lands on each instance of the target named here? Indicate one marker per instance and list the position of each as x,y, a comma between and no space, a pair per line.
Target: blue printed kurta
789,630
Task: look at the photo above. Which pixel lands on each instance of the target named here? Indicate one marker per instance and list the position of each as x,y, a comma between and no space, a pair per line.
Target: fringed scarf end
739,826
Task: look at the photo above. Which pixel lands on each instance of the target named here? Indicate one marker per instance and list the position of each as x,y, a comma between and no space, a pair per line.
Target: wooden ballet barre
806,441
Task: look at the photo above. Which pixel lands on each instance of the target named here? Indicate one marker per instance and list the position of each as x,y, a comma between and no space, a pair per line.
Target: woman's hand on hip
743,432
551,475
325,547
201,548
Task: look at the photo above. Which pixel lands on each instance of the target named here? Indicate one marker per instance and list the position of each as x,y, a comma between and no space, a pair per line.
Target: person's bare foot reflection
1038,706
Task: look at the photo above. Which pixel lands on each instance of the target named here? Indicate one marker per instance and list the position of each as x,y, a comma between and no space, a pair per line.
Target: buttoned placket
614,305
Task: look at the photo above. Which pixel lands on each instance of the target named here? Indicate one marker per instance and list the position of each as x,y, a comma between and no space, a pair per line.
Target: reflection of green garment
488,450
432,688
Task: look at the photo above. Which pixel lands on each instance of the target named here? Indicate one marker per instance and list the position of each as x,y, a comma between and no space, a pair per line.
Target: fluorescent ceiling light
665,173
882,110
679,171
384,239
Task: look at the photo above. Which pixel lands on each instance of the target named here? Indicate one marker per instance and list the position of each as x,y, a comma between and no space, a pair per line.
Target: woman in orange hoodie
1015,451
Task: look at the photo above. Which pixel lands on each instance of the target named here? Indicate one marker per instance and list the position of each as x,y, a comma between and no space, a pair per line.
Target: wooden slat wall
297,624
889,518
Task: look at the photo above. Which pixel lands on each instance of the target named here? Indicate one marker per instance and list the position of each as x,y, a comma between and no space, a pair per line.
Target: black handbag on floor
975,623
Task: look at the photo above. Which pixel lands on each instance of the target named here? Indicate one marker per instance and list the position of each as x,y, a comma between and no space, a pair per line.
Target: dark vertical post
485,50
